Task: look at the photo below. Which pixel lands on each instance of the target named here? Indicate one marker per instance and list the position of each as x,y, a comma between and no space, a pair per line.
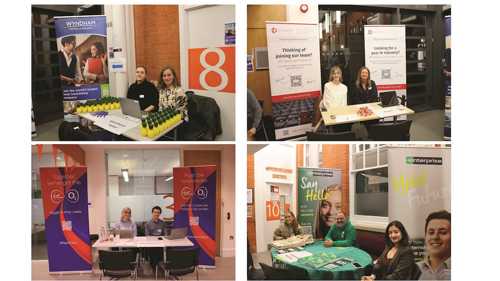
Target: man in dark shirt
155,227
143,91
69,64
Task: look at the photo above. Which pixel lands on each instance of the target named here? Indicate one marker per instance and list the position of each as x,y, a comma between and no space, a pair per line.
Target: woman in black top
364,89
396,261
143,91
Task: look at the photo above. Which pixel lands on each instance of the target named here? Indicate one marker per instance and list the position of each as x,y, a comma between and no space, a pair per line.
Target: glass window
140,179
371,192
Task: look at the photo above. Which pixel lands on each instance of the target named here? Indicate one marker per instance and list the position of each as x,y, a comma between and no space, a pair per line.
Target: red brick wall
337,156
157,38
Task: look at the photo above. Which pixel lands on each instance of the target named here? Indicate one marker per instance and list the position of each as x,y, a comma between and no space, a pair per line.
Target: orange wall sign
273,210
212,69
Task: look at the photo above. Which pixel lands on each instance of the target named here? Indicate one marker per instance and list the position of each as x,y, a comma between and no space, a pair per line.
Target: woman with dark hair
289,228
143,91
396,261
171,93
364,89
95,69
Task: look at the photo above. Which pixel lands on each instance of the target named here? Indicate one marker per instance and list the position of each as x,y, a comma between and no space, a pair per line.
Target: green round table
321,253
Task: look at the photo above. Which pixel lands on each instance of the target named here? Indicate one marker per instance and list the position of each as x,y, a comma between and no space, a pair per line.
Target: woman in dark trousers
364,89
396,261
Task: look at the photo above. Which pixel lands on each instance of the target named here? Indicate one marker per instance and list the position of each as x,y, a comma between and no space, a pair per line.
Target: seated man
341,234
437,263
155,227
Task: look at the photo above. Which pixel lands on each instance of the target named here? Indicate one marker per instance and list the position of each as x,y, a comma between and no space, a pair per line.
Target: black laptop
388,99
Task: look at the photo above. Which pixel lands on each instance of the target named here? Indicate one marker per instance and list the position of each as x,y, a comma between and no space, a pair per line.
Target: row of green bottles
103,104
158,122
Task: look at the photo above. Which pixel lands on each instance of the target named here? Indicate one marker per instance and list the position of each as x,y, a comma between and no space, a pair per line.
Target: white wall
202,26
274,155
96,178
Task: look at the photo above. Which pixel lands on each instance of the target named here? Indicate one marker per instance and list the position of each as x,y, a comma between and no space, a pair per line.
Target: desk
349,114
347,271
144,242
133,133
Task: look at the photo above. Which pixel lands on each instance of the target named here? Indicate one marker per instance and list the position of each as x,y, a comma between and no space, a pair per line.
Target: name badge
141,96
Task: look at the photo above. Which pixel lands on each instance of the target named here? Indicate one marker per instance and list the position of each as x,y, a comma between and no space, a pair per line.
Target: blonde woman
289,228
334,92
171,93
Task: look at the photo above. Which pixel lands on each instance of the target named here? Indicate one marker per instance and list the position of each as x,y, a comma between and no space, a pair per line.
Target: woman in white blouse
334,93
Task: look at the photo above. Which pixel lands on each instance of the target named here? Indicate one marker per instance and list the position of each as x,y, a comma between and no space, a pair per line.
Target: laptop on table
388,99
177,233
131,107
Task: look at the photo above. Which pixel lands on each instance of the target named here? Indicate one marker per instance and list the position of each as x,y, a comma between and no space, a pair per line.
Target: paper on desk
116,124
293,256
345,118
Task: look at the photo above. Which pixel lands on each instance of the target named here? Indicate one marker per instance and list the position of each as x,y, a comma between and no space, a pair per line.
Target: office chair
180,261
292,273
118,264
342,136
397,131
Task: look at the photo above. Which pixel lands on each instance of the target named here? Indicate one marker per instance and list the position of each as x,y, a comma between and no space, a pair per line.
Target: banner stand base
85,272
207,266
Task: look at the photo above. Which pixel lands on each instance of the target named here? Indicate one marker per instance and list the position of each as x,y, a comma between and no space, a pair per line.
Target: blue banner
65,206
194,207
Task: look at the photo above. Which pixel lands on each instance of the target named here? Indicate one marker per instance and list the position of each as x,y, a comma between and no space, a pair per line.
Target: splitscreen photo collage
136,139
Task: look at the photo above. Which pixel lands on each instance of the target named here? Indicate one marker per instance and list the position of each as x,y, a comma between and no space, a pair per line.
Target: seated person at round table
364,89
437,263
334,92
171,93
341,234
143,91
396,261
289,228
126,222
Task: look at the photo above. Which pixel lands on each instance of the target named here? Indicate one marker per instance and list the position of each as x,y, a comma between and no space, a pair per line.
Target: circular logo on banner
274,30
202,193
186,193
304,8
73,196
56,196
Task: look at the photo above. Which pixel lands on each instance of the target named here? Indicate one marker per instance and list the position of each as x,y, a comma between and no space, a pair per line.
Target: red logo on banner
212,69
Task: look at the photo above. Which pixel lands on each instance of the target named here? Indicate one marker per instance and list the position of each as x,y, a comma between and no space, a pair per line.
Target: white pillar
119,19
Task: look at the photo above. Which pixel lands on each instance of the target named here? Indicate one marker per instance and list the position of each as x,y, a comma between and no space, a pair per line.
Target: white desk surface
348,114
134,133
143,242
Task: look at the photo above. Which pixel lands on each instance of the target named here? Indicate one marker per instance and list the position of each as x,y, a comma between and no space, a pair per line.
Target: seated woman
364,89
396,261
95,69
334,95
171,93
289,228
334,92
143,91
126,222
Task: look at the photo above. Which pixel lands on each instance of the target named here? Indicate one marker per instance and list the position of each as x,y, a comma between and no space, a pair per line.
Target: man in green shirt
341,234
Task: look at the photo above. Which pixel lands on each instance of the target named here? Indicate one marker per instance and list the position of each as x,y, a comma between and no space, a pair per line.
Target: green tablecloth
320,252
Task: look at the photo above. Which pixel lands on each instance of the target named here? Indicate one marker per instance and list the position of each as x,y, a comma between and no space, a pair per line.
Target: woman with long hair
143,91
326,211
95,69
396,261
171,93
364,89
289,228
334,92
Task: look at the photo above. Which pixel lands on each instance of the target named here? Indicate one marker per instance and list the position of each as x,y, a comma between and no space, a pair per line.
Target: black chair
393,131
204,119
180,261
342,136
118,264
292,273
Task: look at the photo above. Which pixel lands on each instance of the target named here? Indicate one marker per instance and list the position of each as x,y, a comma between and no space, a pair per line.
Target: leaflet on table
115,124
389,111
293,256
344,118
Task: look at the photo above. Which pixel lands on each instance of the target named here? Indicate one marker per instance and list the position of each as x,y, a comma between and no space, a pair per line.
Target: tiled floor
224,271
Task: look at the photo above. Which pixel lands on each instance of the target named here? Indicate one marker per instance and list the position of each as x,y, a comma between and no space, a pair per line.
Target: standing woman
396,261
95,69
364,89
334,93
171,93
143,91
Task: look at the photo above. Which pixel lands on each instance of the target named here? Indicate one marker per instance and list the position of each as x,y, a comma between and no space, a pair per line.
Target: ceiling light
125,174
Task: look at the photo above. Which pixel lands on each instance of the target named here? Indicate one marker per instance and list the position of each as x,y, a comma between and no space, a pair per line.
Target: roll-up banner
419,184
319,199
447,77
83,63
194,207
295,76
385,56
65,206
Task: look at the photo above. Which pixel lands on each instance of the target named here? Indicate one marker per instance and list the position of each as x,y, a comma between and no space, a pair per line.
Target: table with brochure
324,262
